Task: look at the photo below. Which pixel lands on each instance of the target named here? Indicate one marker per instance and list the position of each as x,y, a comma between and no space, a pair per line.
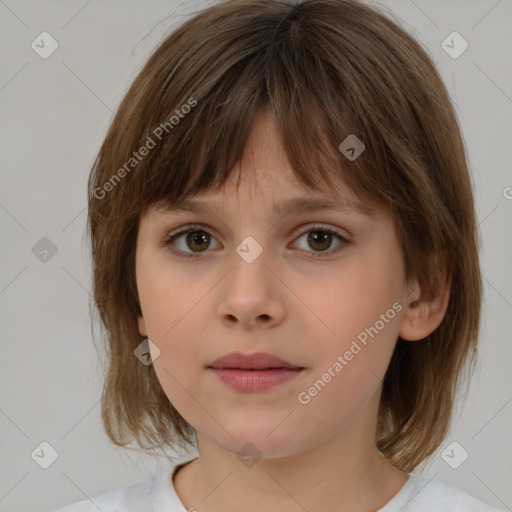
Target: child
313,341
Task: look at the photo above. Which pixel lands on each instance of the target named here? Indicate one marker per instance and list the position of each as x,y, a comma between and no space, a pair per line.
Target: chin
251,444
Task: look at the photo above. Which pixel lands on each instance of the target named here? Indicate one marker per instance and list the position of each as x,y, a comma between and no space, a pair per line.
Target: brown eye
193,241
190,242
197,240
319,240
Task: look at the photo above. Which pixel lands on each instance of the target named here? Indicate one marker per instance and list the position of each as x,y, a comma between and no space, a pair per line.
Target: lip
254,361
255,381
253,372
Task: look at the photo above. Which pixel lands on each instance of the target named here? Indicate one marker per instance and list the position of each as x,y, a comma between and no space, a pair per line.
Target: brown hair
327,69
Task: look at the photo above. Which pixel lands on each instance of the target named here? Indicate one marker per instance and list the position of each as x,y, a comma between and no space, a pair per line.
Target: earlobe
142,326
425,310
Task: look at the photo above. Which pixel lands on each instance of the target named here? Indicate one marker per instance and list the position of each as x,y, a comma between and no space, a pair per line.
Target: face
320,289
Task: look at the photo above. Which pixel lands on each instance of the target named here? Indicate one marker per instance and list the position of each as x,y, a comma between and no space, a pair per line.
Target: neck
335,474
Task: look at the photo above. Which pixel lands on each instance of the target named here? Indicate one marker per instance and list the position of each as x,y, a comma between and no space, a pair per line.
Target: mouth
255,372
249,380
256,369
259,361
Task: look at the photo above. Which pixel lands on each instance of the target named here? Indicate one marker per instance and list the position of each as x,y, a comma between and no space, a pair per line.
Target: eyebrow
280,209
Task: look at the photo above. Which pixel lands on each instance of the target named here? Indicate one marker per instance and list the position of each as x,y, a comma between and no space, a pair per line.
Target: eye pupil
199,239
319,237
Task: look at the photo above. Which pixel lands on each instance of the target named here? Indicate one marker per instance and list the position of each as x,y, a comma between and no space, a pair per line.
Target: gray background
54,114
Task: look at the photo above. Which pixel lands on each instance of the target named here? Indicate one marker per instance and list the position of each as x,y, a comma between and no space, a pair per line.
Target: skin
315,456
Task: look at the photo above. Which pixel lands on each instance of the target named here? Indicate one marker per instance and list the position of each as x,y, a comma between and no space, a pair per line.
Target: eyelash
196,227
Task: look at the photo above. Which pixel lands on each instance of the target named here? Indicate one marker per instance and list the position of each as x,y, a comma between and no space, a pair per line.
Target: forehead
279,208
277,189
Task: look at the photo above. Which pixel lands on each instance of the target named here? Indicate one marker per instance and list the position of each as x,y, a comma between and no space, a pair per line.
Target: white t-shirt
419,494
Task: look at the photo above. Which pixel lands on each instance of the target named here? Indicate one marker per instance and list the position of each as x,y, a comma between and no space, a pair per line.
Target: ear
426,308
142,326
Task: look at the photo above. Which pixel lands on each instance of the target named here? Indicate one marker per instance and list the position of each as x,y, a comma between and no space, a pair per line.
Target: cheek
169,297
360,312
170,302
352,299
173,306
349,366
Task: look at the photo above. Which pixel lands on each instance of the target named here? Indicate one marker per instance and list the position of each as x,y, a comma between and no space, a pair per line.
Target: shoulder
135,497
432,495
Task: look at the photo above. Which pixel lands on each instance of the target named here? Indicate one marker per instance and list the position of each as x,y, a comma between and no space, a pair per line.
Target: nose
252,296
